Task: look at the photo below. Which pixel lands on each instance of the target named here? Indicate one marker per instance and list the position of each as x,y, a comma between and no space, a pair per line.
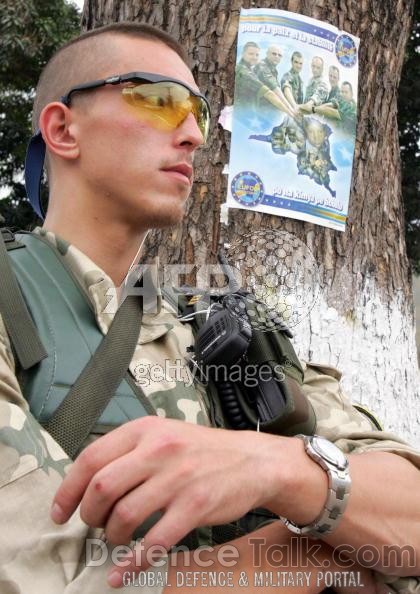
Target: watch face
329,451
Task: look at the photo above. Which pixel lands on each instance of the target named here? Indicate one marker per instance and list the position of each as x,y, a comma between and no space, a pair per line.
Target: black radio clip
253,399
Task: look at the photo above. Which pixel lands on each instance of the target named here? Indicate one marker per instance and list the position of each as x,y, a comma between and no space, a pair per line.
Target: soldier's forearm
306,107
328,110
289,96
278,102
284,99
269,557
382,513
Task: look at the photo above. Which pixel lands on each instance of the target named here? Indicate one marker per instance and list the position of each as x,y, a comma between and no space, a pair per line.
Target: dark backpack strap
16,317
75,418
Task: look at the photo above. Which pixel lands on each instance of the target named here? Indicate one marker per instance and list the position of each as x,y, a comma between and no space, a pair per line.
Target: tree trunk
363,322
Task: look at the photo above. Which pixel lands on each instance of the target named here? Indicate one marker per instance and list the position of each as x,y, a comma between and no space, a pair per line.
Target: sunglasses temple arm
34,164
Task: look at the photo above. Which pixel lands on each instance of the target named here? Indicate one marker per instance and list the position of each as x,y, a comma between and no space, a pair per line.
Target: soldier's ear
59,131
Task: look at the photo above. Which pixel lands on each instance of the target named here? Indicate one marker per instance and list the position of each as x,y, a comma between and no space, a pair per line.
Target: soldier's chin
168,217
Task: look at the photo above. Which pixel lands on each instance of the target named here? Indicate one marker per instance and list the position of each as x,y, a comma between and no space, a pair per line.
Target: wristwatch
335,463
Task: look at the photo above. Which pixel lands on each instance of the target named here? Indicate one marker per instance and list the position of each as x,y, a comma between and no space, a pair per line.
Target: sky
79,3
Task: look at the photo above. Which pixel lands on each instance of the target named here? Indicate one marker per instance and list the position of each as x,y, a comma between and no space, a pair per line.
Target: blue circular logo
346,51
247,188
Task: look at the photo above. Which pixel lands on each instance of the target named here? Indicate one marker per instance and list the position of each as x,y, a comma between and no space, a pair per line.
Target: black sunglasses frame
35,154
134,77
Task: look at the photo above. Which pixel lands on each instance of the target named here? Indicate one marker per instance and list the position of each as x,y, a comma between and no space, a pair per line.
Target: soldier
249,89
247,86
343,108
120,151
333,77
291,82
266,71
316,91
347,108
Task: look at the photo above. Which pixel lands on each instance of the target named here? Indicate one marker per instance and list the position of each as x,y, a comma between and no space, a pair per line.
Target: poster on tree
294,117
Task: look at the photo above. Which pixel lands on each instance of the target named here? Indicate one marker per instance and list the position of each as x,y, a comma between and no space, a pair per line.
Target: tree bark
363,321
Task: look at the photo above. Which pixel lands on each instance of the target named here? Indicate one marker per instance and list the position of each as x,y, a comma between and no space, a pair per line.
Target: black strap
16,317
76,416
226,532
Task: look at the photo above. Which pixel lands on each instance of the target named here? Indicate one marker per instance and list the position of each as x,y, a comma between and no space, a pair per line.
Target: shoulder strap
72,418
99,380
16,317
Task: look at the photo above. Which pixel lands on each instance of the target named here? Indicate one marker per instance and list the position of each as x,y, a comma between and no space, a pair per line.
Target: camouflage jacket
267,73
293,80
248,88
348,114
41,557
316,91
333,94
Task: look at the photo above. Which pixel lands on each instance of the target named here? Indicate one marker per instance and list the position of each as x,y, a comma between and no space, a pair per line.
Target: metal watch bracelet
339,485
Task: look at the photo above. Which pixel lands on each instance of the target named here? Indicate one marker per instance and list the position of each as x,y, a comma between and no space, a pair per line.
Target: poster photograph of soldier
294,117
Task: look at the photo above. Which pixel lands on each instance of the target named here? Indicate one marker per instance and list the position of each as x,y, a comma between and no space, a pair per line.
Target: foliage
30,31
409,130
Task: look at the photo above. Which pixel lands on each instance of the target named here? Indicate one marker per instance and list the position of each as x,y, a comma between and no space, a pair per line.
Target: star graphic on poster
255,123
346,155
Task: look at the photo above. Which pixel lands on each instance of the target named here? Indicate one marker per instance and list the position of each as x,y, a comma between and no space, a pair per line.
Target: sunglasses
161,101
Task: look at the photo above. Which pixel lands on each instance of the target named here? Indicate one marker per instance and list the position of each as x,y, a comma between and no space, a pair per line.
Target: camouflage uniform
267,74
248,88
40,557
293,80
348,114
316,91
333,94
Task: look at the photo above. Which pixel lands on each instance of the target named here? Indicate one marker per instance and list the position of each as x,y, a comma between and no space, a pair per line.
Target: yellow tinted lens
166,105
201,114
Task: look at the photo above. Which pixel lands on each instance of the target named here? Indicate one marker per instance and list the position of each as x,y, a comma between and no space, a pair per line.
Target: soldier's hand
194,475
306,107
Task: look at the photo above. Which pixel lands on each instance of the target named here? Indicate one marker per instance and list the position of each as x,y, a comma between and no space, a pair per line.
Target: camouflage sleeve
340,422
265,76
354,432
285,81
247,79
36,555
321,93
348,114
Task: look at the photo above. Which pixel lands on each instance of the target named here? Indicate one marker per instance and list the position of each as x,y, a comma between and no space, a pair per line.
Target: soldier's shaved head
317,66
88,57
274,54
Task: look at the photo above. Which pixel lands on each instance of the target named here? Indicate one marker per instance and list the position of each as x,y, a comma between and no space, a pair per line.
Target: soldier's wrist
300,484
